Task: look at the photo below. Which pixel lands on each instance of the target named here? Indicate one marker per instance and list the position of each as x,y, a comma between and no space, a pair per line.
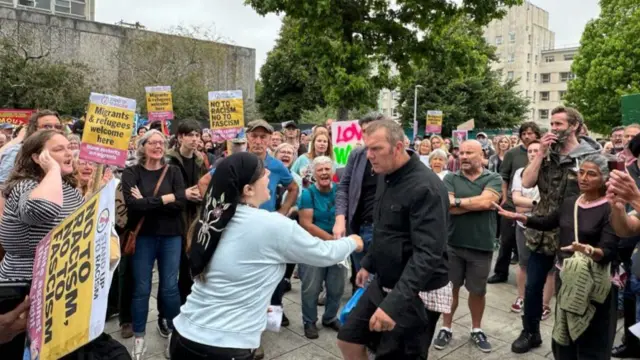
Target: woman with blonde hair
503,145
424,150
320,146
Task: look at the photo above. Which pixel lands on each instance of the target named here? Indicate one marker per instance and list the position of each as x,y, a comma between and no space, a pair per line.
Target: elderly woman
320,146
286,153
438,161
317,216
155,196
237,256
594,247
74,142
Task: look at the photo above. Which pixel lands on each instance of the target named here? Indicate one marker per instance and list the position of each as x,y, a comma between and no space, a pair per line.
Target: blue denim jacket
7,161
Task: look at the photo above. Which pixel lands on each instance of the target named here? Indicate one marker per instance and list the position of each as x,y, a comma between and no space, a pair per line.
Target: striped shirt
27,221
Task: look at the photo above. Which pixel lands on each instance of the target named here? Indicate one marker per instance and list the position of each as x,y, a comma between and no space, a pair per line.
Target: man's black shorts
410,341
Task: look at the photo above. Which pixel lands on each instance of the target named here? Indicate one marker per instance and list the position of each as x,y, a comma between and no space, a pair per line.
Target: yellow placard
108,126
160,101
226,114
69,283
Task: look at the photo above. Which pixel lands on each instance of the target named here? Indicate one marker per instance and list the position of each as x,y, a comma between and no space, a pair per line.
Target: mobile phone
12,293
616,165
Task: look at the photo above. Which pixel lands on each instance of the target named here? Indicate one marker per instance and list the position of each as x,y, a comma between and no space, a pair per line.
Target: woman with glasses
160,237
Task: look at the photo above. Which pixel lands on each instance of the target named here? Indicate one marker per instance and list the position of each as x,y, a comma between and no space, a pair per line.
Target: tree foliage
289,78
606,66
33,79
348,38
460,83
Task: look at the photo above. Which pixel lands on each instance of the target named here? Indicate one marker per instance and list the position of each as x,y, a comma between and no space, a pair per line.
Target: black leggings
181,348
289,272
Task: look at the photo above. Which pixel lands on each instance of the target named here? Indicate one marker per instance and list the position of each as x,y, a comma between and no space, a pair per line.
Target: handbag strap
575,218
155,193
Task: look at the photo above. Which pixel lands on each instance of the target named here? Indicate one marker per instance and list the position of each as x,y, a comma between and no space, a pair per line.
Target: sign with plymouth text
71,279
434,122
108,127
14,116
159,103
345,136
226,114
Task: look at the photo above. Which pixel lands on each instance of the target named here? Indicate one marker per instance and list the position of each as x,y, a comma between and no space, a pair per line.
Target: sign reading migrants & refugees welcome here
345,136
72,275
108,128
159,103
226,114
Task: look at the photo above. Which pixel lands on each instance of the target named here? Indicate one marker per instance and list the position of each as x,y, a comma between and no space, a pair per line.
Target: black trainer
497,278
287,285
310,331
443,339
623,351
163,328
334,324
285,320
525,342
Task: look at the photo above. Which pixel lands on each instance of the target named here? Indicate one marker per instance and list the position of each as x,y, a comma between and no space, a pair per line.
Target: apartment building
388,103
525,47
81,9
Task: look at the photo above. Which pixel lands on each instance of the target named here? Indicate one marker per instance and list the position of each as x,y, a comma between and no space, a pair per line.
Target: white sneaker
139,348
167,351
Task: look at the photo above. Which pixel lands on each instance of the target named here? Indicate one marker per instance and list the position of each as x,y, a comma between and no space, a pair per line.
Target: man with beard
554,171
617,139
629,133
514,159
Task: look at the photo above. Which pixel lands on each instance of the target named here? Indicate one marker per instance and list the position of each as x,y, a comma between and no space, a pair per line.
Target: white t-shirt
531,193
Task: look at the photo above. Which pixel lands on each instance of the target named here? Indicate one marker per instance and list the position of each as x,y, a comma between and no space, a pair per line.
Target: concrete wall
97,45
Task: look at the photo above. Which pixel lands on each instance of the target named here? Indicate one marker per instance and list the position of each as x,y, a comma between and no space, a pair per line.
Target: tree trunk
343,113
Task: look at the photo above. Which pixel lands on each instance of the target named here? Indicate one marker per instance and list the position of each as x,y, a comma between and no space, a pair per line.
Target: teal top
323,205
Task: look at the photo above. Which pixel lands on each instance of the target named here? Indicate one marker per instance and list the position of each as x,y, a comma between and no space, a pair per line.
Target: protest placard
345,136
459,136
159,103
15,116
226,114
71,279
108,128
434,122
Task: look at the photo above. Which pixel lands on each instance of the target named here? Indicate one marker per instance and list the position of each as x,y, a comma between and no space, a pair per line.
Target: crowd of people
411,221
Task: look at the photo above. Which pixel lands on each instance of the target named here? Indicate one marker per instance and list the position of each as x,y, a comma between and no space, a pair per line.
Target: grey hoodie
587,146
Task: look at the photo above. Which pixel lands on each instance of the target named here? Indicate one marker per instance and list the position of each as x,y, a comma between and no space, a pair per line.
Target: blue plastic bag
350,305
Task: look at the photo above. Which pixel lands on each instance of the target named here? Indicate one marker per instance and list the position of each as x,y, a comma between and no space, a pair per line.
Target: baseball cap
481,134
239,140
289,123
6,126
255,124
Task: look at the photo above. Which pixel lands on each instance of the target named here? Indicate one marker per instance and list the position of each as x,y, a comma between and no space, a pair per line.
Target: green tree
289,78
606,66
348,39
460,83
31,79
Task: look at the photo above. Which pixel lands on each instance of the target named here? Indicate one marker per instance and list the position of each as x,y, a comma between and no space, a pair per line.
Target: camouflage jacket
557,180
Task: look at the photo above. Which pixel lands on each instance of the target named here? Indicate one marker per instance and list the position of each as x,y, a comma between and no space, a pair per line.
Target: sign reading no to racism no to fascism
226,114
108,129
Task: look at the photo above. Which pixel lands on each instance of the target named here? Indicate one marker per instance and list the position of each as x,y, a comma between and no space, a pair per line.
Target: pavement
499,323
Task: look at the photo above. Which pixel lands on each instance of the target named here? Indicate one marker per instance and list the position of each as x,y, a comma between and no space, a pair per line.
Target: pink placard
36,294
225,134
103,155
159,116
435,129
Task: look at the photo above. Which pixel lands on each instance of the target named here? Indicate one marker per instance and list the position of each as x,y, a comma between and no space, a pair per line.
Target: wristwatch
458,202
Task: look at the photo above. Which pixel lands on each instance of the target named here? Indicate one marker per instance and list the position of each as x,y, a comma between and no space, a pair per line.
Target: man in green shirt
472,192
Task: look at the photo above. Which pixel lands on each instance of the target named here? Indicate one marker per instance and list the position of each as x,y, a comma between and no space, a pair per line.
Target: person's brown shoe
126,330
259,354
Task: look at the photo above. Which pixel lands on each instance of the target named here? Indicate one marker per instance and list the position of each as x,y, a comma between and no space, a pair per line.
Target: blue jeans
312,278
167,250
366,233
537,270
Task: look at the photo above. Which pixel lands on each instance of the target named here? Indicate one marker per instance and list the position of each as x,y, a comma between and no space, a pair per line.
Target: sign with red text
345,136
226,114
159,103
72,274
14,116
434,122
107,131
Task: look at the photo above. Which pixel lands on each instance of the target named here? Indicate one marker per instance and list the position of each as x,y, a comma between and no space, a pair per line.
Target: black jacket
412,225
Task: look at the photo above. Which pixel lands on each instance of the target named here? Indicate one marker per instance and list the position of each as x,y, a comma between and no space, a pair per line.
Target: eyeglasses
51,126
155,143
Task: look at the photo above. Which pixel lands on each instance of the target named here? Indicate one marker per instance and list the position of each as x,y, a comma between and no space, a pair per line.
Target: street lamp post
415,111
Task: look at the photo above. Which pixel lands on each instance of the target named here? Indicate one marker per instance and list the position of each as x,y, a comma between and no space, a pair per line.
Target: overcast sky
242,26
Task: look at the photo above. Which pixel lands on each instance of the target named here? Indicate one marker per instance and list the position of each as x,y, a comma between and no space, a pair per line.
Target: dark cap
289,123
255,124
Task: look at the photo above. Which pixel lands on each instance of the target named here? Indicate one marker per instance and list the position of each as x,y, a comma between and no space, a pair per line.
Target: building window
528,58
549,58
566,76
529,36
535,77
543,114
512,37
528,76
499,40
10,2
562,94
70,7
545,78
544,96
510,75
38,4
536,59
512,58
395,95
534,95
568,57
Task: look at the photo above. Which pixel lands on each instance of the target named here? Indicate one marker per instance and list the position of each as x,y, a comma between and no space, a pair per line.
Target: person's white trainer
139,348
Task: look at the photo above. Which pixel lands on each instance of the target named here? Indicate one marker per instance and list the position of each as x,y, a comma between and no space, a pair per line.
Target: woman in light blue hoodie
237,256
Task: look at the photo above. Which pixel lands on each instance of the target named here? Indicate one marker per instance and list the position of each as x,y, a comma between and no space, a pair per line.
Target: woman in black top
597,240
161,234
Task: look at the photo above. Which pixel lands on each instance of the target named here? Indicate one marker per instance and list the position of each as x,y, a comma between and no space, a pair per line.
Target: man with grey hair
408,255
